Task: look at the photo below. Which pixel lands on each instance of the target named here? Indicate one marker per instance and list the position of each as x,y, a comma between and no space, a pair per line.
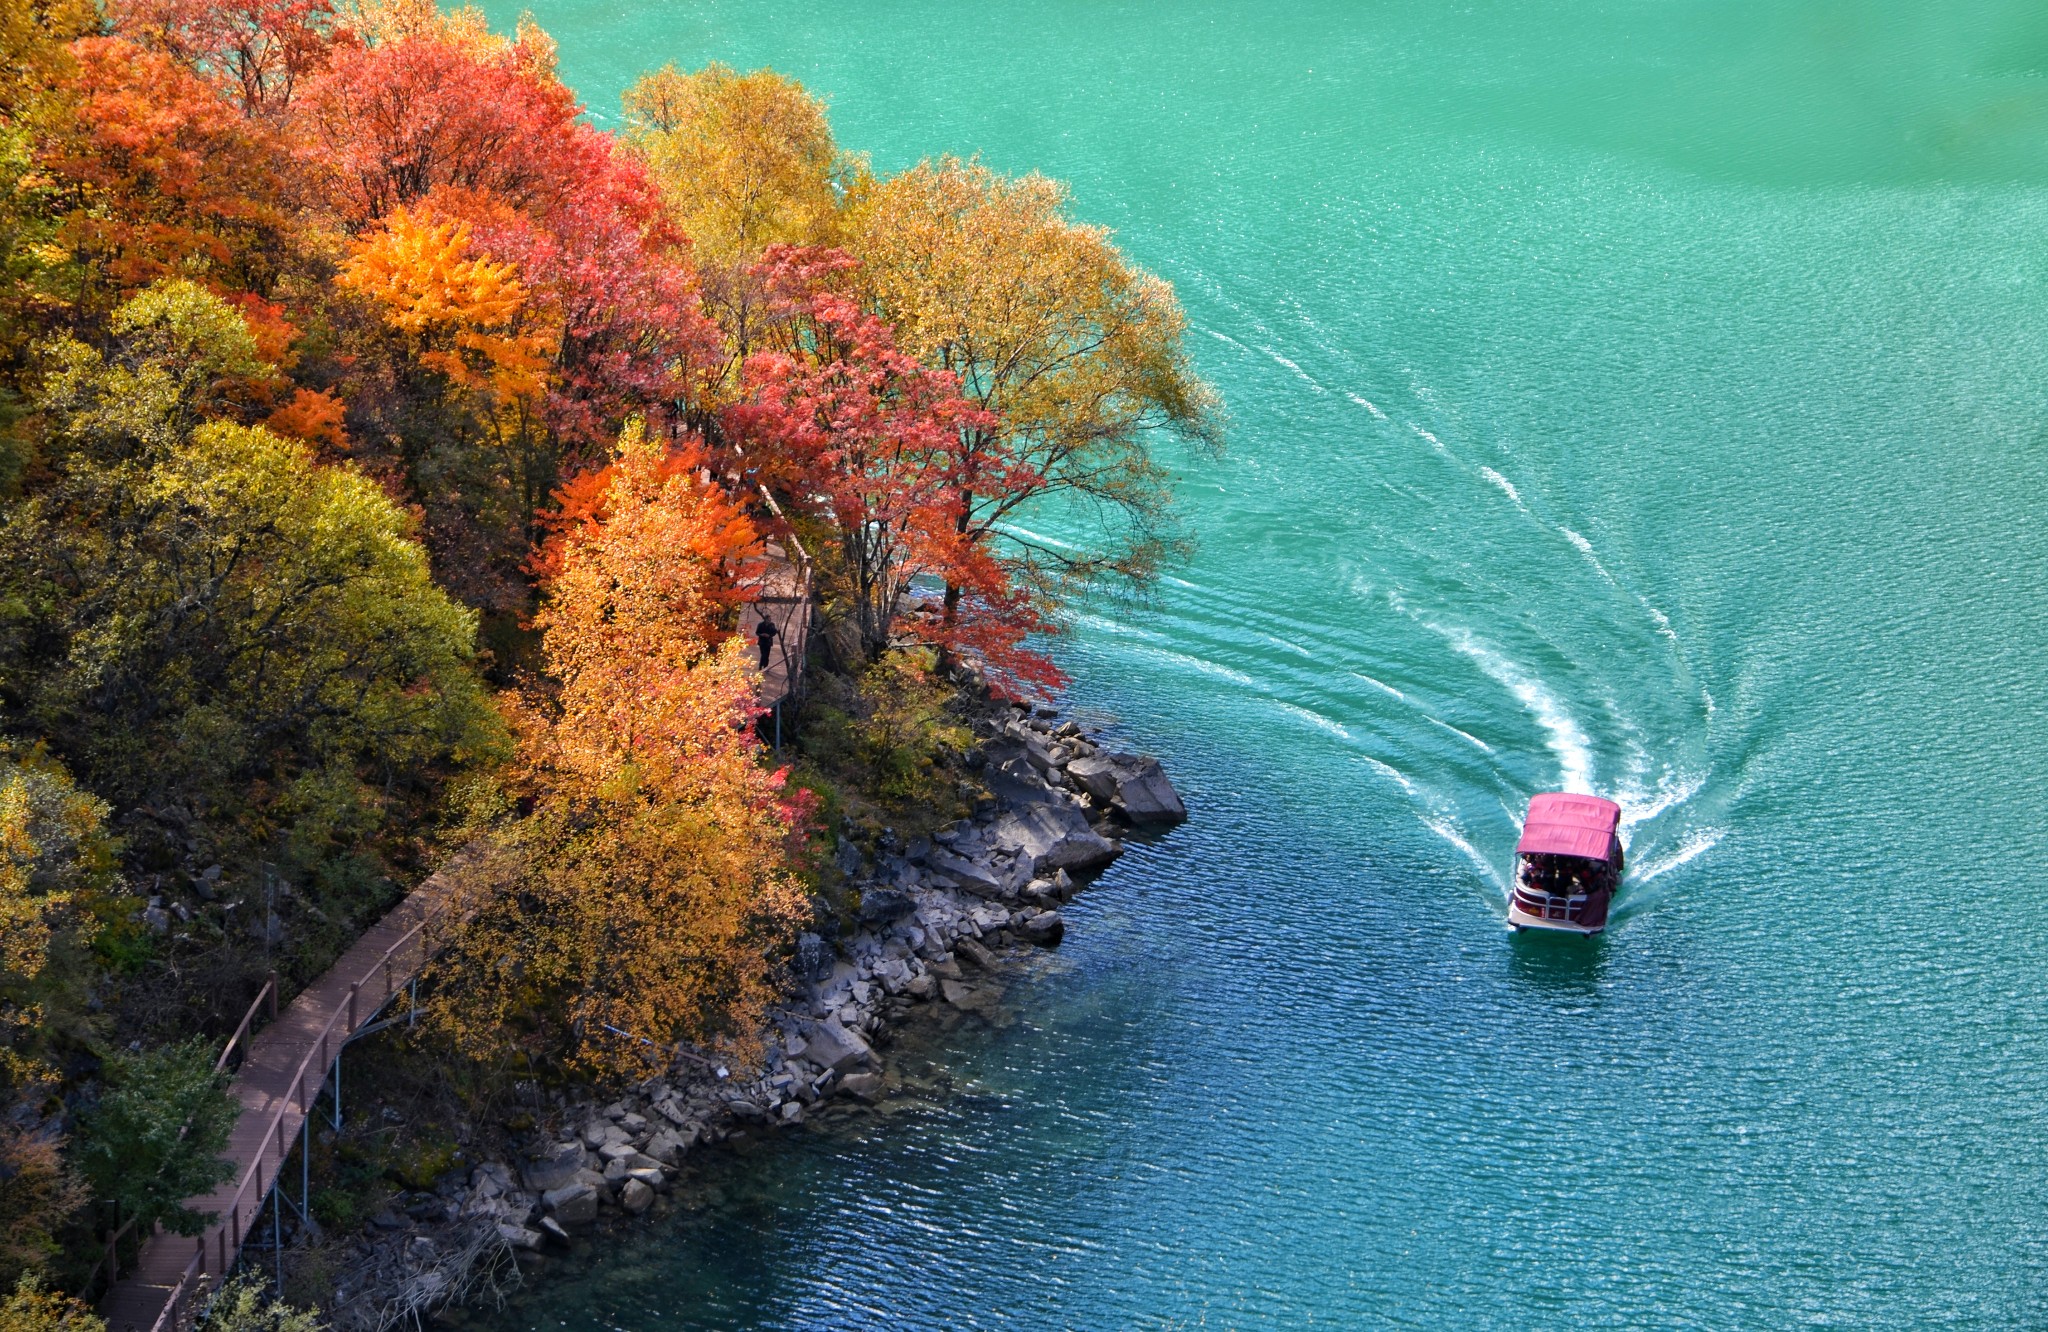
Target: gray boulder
574,1204
555,1169
813,960
1144,794
636,1196
969,875
864,1086
1045,929
880,906
829,1045
519,1237
1096,776
1136,785
1053,837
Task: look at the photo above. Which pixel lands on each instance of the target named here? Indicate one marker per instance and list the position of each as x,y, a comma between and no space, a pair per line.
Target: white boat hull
1519,919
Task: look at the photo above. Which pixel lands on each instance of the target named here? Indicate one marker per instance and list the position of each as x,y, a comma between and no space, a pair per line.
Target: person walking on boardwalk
764,634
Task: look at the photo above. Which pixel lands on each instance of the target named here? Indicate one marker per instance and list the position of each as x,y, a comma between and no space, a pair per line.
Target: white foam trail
1462,735
1507,487
1291,647
1585,547
1197,664
1696,843
1088,621
1663,622
1039,537
1389,770
1315,719
1178,582
1562,732
1443,828
1380,685
1640,806
1301,374
1434,442
1378,415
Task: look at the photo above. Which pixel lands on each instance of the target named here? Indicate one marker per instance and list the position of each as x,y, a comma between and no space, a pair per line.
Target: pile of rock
936,918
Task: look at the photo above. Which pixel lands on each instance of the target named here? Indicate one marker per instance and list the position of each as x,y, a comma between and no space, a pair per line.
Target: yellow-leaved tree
647,899
1078,354
743,161
56,869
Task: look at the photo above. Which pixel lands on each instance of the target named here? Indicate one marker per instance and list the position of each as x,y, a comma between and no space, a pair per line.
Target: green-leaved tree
156,1137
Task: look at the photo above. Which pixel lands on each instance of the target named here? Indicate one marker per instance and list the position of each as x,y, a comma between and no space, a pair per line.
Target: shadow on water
1558,965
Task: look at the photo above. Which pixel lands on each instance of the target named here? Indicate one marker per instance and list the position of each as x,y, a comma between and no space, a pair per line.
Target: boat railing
1550,906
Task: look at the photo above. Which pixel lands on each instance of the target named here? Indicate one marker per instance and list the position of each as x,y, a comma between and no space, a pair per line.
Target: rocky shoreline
939,921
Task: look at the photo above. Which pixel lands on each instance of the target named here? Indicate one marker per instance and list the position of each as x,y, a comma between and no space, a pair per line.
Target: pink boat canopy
1571,825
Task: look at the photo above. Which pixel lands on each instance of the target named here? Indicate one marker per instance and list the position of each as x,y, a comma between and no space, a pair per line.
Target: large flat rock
1053,837
832,1046
1144,793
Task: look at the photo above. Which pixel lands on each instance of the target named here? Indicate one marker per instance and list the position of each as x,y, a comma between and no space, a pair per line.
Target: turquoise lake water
1643,396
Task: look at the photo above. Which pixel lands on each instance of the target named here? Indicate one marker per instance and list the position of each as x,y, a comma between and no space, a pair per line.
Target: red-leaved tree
852,430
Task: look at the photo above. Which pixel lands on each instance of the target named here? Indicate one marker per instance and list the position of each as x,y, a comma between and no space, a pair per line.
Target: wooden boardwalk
783,597
289,1061
281,1077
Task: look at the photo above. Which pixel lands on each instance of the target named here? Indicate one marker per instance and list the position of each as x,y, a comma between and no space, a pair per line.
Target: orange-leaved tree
465,315
647,899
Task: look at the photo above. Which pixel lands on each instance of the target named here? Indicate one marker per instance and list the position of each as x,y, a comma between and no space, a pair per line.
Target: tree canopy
382,441
1077,356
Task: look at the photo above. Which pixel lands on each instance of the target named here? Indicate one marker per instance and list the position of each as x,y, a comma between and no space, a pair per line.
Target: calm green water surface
1645,396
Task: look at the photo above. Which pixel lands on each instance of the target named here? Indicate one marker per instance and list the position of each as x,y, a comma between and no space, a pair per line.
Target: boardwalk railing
109,1269
288,1108
301,1094
268,992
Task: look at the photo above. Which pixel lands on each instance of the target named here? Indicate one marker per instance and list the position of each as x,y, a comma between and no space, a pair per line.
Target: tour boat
1567,864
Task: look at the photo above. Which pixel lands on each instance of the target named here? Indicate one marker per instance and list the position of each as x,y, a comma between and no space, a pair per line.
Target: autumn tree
394,122
462,161
466,320
57,871
257,51
864,436
37,74
156,174
743,162
200,612
1076,355
31,1308
645,902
